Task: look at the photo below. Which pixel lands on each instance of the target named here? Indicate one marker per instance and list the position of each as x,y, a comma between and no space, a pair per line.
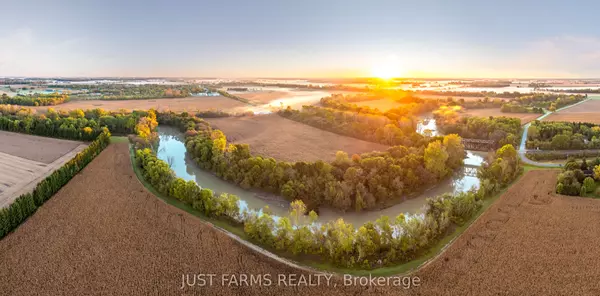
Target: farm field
175,104
530,242
584,112
105,220
524,117
264,97
105,233
25,160
381,104
386,104
275,96
284,139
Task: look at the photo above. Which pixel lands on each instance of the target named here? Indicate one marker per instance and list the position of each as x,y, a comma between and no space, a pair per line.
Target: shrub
589,184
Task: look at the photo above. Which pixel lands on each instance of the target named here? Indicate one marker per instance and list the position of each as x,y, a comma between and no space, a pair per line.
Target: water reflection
171,149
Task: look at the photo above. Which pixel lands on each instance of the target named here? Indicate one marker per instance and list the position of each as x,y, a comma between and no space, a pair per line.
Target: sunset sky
305,38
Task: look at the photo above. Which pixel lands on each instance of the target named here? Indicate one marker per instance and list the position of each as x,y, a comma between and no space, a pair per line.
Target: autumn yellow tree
435,159
597,172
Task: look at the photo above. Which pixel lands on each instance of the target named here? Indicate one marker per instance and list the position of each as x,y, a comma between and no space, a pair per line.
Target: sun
387,69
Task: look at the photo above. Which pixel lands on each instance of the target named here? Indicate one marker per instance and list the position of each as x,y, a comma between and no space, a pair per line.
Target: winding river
172,150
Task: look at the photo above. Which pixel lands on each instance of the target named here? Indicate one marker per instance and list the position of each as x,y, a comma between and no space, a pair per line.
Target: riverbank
173,151
306,263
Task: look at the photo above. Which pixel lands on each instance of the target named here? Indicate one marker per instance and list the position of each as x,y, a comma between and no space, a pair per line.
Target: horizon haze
312,39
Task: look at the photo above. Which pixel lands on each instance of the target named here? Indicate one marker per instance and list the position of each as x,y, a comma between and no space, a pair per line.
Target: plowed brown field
284,139
524,117
189,104
105,234
584,112
530,242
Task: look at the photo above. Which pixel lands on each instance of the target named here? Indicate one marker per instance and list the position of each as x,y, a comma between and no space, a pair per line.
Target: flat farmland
264,97
284,139
530,242
175,104
381,104
524,117
584,112
25,160
104,233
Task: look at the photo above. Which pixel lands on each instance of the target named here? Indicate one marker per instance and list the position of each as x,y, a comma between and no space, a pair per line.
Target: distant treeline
35,100
134,92
364,126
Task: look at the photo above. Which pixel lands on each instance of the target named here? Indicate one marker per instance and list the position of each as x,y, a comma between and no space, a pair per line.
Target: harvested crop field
40,149
264,97
381,104
284,139
103,233
25,160
524,117
175,104
584,112
530,242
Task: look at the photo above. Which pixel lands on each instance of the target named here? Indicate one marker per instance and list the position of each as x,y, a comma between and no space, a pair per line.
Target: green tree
456,150
589,184
435,159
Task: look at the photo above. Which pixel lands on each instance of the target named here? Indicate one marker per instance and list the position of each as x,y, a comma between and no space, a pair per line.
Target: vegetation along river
172,150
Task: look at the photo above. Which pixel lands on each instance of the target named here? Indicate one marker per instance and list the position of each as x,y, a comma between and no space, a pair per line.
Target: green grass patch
118,139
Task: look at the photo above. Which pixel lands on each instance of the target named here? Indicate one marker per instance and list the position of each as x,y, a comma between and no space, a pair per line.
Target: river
172,150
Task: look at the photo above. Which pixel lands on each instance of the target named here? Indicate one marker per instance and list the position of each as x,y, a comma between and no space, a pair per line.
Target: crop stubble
284,139
189,104
25,160
104,232
584,112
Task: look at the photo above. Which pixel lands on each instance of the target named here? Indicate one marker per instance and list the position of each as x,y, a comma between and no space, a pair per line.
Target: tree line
502,130
549,135
354,182
578,178
37,100
514,108
73,125
413,106
364,126
552,102
383,242
134,92
556,155
25,205
483,103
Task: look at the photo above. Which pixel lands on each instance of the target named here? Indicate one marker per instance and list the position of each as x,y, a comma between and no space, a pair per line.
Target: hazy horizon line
297,78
